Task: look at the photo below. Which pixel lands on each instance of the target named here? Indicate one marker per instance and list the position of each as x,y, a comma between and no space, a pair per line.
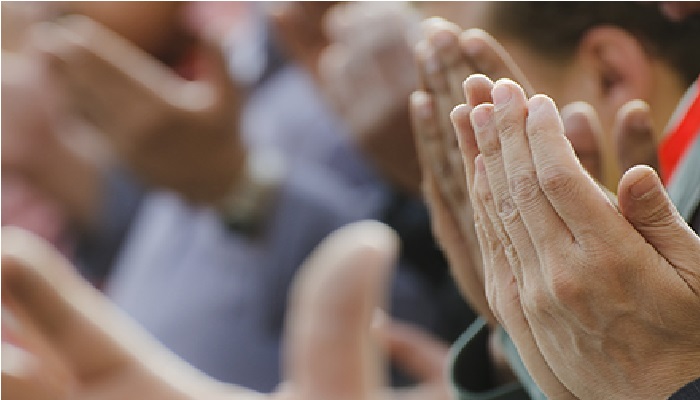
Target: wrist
246,204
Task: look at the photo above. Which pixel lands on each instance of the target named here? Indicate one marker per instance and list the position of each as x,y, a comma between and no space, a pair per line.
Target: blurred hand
359,55
49,162
544,214
177,134
444,62
607,156
99,352
416,352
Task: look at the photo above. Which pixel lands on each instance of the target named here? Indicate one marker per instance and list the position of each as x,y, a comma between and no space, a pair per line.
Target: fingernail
644,187
480,117
501,95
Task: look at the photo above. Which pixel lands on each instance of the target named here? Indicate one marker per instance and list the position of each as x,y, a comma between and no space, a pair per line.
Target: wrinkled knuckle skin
557,182
567,290
508,128
509,214
523,187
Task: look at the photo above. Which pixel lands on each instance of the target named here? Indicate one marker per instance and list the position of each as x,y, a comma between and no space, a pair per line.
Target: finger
646,205
443,55
462,251
428,141
499,205
634,137
300,30
503,291
529,219
436,74
443,38
573,194
477,90
488,57
496,266
329,349
89,333
583,129
434,162
31,368
414,350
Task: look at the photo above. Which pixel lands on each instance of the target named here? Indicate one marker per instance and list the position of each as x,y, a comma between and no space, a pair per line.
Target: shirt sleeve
690,391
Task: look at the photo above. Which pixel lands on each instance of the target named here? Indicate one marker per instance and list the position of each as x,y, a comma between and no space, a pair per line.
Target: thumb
329,354
634,136
583,129
646,205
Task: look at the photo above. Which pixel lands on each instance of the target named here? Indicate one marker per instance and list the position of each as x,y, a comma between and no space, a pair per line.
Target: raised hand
445,58
174,133
611,299
366,74
82,347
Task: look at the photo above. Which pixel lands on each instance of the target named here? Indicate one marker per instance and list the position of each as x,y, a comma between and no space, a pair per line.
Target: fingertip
577,109
476,80
481,115
477,89
640,182
542,111
460,113
474,41
634,114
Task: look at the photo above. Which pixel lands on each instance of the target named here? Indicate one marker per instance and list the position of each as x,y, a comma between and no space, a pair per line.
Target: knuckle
566,288
536,299
508,127
523,187
557,182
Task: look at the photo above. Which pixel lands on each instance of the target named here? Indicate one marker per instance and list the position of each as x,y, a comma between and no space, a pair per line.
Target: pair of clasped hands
534,243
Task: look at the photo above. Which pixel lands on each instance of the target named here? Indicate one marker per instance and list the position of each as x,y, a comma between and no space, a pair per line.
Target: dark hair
555,28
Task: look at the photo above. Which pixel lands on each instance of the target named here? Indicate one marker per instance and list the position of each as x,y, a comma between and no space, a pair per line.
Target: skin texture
612,311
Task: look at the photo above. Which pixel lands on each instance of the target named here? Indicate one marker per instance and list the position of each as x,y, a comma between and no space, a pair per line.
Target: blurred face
154,26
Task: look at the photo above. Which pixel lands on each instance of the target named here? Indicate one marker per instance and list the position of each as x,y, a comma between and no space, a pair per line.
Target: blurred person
159,260
365,73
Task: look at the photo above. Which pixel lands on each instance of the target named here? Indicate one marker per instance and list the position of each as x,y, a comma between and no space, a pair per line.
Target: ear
619,63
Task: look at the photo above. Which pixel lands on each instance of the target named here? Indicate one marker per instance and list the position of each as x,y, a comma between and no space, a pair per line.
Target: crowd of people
351,200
